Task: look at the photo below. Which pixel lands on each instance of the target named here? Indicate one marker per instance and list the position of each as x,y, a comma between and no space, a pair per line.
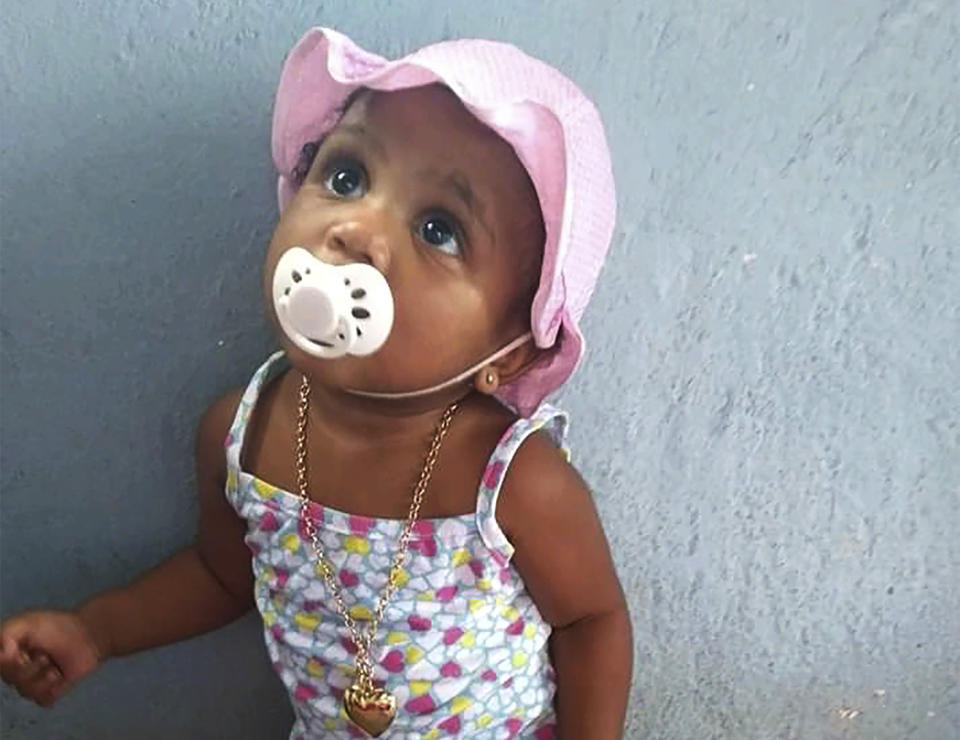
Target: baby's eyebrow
362,132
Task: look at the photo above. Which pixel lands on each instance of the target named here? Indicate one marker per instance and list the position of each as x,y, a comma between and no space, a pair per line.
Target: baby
426,561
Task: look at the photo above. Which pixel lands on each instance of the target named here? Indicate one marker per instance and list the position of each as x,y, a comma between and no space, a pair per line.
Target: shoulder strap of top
548,418
238,430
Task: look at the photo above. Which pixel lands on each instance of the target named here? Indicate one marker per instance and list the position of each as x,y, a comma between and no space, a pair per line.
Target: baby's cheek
454,322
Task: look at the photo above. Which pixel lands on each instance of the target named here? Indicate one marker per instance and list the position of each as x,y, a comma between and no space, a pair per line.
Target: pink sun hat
553,127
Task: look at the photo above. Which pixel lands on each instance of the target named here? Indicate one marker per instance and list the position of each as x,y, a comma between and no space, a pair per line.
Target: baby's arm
204,586
562,555
200,588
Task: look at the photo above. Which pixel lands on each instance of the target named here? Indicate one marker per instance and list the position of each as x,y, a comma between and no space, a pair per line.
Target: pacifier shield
329,310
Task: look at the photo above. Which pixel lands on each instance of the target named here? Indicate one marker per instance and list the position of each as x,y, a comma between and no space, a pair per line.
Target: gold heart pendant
371,710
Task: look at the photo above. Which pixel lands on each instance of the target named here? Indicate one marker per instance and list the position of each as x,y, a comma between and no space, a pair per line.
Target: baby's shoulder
540,478
211,434
218,419
219,415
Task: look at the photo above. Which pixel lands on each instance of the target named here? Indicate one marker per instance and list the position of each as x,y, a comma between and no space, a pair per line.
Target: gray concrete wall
769,414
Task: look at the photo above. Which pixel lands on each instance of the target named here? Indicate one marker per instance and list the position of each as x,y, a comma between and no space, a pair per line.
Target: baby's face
412,183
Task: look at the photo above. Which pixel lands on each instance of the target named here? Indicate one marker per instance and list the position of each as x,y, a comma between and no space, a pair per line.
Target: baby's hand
43,653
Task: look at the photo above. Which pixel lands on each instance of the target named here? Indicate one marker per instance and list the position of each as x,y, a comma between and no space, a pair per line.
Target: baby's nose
358,241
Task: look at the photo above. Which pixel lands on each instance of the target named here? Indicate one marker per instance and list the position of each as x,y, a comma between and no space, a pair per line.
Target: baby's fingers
38,666
9,649
14,659
45,687
15,666
11,656
25,669
11,666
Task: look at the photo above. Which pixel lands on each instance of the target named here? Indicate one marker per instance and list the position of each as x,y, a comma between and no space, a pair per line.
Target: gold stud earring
487,380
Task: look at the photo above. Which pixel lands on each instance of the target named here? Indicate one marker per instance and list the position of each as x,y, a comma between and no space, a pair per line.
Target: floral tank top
462,646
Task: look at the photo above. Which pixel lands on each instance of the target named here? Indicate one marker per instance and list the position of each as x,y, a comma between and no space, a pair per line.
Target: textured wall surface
769,414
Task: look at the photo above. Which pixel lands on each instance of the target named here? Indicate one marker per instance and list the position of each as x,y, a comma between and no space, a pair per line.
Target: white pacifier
328,310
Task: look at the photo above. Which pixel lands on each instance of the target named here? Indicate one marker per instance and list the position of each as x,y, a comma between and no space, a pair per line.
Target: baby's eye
347,179
441,232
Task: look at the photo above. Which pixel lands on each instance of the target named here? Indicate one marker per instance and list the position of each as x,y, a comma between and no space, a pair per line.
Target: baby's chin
382,371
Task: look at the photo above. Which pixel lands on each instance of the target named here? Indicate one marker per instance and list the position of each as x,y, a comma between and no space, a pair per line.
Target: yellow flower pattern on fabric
357,545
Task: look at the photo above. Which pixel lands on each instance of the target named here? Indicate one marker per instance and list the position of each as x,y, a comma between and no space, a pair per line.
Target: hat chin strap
518,342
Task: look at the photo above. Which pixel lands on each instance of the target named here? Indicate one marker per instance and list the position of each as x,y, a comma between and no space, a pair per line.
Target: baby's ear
508,368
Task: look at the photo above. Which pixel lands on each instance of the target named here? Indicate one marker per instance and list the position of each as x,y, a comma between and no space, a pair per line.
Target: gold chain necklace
369,707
